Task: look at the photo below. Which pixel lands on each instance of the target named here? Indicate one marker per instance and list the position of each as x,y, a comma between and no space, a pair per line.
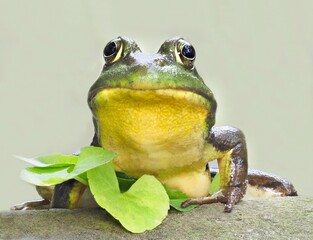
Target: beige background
256,56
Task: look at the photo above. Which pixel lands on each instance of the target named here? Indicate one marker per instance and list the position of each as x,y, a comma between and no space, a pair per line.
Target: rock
276,218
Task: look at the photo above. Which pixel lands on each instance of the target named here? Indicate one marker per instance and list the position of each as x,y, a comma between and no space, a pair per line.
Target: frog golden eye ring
113,51
185,53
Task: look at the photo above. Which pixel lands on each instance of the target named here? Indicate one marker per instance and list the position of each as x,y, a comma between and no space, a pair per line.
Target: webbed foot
229,196
36,204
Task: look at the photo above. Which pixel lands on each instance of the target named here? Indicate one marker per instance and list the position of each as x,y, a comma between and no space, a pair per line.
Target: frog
156,112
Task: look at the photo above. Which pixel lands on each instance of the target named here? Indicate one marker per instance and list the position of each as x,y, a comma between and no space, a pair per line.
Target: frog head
171,68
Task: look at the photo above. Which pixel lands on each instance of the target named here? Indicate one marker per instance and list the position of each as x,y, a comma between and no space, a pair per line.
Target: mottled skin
158,92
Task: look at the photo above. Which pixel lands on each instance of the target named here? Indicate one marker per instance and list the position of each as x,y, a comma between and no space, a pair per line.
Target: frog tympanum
155,111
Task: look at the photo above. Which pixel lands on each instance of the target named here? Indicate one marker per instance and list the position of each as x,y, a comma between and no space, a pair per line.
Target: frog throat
159,132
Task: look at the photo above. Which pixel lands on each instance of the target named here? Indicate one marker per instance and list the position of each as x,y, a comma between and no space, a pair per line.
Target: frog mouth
195,96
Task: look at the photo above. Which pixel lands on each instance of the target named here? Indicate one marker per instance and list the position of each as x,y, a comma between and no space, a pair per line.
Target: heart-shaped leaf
143,207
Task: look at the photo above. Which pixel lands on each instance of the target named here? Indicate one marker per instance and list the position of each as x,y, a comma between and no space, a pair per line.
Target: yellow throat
158,132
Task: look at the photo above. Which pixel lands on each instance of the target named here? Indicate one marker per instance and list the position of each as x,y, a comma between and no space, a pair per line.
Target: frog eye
113,51
185,53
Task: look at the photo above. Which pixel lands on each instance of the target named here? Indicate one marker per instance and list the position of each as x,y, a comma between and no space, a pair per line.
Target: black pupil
188,51
109,49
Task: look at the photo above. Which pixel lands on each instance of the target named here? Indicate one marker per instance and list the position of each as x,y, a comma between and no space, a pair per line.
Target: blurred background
256,56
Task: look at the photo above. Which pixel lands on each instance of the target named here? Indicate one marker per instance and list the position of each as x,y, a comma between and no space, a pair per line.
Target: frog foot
36,204
228,196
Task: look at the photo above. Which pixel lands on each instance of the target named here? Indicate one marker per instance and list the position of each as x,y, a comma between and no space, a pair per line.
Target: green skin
170,69
152,71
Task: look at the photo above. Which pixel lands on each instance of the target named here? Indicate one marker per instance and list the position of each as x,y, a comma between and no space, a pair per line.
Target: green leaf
177,198
54,160
89,158
45,176
82,178
215,184
125,181
143,207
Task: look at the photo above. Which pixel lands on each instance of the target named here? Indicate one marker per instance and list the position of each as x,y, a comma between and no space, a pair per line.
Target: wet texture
230,139
264,180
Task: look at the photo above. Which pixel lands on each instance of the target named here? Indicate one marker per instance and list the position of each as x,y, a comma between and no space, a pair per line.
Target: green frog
156,112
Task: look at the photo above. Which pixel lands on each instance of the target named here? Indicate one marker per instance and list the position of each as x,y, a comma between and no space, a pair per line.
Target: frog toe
229,196
35,204
199,201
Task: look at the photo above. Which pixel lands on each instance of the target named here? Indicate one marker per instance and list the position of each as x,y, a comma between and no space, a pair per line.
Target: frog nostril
159,62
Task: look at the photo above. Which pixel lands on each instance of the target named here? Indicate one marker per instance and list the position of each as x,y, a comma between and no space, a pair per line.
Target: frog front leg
229,147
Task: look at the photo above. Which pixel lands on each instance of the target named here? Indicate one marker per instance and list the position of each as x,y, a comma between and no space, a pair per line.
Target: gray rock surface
278,218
